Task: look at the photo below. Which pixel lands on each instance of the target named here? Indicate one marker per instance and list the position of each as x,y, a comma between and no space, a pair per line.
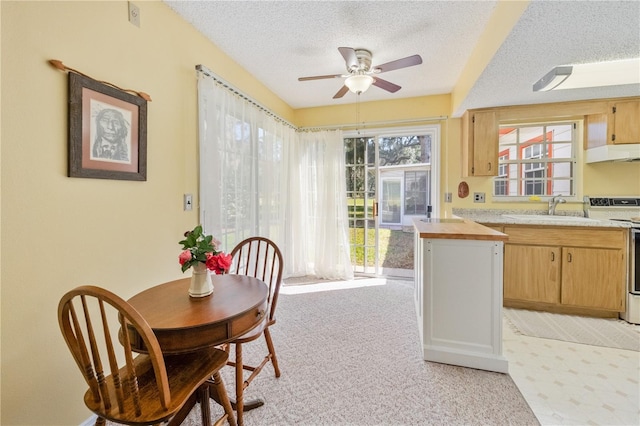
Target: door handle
375,209
553,256
569,258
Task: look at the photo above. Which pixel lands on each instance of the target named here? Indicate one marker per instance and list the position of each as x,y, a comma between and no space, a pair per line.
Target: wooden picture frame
107,131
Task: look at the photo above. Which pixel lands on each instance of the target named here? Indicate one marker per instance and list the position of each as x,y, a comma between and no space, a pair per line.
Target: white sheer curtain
243,173
258,177
319,209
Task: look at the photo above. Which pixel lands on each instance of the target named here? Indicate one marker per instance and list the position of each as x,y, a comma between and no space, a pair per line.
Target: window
500,186
536,159
415,192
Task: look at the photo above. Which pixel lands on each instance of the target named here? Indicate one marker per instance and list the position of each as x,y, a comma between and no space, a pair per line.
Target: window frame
574,161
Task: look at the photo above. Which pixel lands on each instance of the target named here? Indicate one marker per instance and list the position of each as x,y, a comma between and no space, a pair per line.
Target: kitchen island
458,292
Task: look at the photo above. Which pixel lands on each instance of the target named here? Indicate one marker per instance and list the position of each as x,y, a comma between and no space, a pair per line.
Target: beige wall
59,232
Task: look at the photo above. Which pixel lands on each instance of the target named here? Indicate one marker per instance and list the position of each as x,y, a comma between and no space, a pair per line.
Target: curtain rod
368,125
206,71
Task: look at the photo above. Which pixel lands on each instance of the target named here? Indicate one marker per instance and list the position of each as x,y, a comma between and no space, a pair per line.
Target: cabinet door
593,278
479,144
485,144
532,273
626,125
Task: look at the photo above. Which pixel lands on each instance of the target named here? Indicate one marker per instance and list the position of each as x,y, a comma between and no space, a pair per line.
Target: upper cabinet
612,130
625,122
620,124
479,143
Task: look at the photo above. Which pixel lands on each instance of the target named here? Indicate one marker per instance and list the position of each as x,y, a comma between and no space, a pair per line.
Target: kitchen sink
550,218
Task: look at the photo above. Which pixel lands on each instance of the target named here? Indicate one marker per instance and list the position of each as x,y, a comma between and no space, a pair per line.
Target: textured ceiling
279,41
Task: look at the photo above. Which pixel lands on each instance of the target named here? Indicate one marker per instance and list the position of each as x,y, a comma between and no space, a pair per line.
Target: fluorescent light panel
597,74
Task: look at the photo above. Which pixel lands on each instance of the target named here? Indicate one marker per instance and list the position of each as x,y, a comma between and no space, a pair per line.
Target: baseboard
90,421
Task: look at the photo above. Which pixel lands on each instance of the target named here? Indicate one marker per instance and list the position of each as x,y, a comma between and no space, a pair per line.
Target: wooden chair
260,258
138,388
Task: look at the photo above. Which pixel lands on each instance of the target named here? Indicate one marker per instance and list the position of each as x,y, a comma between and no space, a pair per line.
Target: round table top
182,322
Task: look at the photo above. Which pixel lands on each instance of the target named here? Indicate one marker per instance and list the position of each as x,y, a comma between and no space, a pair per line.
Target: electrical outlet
188,202
448,197
478,197
134,14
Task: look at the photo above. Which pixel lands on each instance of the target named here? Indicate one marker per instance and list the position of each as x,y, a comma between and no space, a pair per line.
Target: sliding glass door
362,205
395,170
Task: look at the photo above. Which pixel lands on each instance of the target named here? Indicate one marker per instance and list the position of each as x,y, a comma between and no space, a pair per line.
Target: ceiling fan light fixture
359,83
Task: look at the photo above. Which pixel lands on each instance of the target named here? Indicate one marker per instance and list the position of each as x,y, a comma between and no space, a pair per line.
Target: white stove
625,209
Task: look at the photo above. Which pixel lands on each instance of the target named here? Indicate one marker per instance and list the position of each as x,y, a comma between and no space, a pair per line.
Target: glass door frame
369,197
433,129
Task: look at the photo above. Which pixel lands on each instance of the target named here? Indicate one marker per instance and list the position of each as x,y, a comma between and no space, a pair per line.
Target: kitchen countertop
490,216
456,229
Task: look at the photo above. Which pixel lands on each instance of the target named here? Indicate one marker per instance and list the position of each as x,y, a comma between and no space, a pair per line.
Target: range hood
622,152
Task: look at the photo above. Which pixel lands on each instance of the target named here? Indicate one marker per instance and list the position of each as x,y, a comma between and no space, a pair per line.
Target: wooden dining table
185,324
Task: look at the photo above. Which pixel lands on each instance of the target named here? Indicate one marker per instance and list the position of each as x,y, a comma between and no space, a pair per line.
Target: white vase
201,284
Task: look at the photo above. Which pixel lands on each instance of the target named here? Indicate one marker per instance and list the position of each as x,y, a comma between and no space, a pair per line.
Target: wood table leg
246,406
239,385
203,397
218,393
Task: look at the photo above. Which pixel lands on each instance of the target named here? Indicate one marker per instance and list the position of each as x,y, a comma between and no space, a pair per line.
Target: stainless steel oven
626,209
634,256
632,313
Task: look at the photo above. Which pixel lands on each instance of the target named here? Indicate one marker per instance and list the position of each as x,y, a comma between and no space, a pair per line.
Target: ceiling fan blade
341,92
409,61
386,85
319,77
349,55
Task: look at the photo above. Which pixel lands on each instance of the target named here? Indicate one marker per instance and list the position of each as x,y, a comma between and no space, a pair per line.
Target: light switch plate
448,197
188,202
134,14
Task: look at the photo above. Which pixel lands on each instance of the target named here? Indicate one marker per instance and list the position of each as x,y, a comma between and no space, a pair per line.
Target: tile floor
573,384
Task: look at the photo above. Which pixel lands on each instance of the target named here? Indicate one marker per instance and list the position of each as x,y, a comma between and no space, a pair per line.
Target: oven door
634,262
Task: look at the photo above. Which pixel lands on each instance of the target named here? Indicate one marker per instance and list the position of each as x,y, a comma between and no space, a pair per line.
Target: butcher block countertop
456,229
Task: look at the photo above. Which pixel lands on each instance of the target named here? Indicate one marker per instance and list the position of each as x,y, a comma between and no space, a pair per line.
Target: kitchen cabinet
625,126
479,143
533,273
618,125
458,268
591,278
565,269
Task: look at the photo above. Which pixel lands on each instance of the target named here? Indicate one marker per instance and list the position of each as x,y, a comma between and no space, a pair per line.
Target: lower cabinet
532,273
593,278
565,268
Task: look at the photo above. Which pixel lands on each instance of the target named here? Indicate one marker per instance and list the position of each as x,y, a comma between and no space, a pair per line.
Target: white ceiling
279,41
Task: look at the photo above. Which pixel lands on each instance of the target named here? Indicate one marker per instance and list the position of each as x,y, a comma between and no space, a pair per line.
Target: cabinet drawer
563,236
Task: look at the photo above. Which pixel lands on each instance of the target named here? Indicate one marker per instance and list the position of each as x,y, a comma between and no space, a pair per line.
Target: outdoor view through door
389,182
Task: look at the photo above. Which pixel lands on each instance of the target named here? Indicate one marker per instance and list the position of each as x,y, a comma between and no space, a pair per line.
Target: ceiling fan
361,75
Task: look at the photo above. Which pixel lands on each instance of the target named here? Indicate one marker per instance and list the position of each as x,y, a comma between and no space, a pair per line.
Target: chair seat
185,373
254,333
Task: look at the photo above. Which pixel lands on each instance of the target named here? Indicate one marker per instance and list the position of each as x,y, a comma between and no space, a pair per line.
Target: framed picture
107,131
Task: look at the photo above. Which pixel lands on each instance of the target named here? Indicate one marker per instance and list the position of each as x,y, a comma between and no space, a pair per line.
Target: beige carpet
611,333
352,357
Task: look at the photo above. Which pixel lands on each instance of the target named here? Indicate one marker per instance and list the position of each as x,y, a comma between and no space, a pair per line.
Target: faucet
553,203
